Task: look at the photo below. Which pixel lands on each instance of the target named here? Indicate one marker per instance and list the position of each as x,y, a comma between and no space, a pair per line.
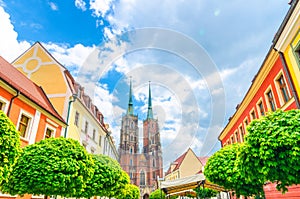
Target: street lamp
71,100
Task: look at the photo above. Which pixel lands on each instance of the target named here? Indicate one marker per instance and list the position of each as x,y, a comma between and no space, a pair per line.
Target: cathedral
145,166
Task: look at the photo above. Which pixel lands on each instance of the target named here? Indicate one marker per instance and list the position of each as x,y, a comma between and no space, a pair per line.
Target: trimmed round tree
54,166
113,178
157,194
107,178
9,146
273,152
130,191
222,168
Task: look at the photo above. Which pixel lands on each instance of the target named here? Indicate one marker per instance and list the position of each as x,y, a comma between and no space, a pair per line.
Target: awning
187,183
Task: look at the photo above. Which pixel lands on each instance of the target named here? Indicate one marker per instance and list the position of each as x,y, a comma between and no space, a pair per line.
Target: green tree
9,146
107,179
157,194
205,192
130,191
54,166
222,168
114,179
273,149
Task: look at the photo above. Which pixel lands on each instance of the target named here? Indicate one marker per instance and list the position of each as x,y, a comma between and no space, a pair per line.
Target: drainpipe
71,100
289,79
11,101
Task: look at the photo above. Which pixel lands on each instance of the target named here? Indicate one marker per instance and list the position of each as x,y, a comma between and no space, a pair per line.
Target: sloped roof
178,162
20,82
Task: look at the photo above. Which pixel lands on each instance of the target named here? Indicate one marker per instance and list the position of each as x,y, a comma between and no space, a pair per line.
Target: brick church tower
143,167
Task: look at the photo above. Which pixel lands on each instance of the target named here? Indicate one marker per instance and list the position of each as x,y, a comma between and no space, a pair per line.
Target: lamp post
71,100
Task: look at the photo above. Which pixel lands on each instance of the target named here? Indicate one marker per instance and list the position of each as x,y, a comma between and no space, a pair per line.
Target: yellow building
85,121
287,42
187,164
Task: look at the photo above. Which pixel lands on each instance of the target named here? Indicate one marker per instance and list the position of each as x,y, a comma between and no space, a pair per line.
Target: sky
200,57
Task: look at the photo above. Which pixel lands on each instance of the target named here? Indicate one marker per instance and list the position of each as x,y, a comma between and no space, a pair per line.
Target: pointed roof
11,76
130,104
150,112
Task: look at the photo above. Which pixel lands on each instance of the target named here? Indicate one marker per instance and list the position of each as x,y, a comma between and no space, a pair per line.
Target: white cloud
80,4
53,6
69,56
10,47
100,7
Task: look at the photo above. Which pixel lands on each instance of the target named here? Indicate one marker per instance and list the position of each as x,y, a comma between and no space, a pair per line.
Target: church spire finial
130,104
150,113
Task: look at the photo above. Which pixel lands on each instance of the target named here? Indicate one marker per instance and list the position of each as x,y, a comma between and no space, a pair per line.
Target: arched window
142,178
130,162
153,163
131,150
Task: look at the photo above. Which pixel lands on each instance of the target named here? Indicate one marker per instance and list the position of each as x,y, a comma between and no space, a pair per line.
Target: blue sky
200,56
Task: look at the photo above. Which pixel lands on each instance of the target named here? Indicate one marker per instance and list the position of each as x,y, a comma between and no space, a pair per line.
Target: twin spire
130,104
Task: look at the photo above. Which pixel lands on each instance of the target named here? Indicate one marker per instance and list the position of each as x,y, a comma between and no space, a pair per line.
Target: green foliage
130,191
9,146
114,178
107,179
223,168
205,192
273,149
157,194
54,166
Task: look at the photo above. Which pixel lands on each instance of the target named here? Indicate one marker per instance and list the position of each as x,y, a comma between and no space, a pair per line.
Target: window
24,125
153,175
253,116
130,162
271,100
153,163
130,150
86,127
283,89
142,178
100,140
49,133
231,139
261,108
246,122
237,136
3,103
2,106
76,121
130,175
94,134
242,133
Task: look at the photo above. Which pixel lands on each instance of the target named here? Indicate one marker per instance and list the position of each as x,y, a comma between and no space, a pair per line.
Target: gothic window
142,178
130,175
131,150
130,162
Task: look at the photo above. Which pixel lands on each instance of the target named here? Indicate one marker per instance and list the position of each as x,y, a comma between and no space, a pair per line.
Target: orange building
27,106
